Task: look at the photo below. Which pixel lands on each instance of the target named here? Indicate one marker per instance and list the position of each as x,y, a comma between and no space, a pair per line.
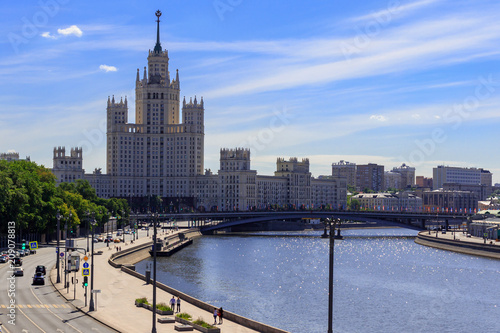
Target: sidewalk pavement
115,306
460,236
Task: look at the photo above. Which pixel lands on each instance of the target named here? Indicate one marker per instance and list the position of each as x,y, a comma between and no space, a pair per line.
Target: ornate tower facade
158,155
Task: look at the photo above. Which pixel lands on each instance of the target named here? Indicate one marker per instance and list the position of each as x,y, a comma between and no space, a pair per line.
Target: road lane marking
64,321
31,321
29,306
55,306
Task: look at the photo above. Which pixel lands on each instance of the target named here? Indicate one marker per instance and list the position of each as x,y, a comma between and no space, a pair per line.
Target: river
383,281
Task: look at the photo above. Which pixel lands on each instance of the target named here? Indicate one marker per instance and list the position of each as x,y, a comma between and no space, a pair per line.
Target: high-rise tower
159,155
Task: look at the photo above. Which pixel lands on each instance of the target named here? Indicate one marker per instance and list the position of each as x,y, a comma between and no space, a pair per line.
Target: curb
79,308
463,247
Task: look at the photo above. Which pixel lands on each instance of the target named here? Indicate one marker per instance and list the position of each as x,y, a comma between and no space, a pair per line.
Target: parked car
96,240
41,269
39,278
100,239
18,271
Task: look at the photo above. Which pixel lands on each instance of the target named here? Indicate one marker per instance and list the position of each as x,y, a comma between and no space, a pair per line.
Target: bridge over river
210,222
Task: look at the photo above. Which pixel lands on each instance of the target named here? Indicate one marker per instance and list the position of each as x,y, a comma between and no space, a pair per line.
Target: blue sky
386,82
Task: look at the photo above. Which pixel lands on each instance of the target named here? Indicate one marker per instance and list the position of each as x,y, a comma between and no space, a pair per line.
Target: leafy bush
142,300
202,323
163,307
184,315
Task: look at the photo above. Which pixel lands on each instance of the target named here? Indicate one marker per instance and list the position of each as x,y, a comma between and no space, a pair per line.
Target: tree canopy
30,198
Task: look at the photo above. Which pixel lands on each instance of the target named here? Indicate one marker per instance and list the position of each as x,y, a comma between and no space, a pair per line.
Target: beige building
329,192
237,181
402,201
67,169
100,182
162,153
299,180
392,180
467,176
12,156
347,170
407,175
449,201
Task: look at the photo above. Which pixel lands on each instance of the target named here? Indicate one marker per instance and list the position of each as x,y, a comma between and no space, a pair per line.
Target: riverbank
458,242
120,287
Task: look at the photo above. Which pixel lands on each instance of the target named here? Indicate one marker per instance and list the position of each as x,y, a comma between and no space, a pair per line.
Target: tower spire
157,48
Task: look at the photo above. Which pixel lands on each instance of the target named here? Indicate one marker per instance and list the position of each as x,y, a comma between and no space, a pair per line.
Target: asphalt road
40,308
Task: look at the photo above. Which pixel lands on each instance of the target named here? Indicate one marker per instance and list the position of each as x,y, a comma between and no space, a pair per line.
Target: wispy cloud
48,35
72,30
106,68
394,8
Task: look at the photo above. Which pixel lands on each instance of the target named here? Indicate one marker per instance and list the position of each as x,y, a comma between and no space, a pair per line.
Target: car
41,269
32,251
127,232
100,239
117,240
21,253
39,278
4,258
18,271
96,240
17,261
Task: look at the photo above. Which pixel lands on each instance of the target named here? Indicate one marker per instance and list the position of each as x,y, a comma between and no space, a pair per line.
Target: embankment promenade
120,286
458,242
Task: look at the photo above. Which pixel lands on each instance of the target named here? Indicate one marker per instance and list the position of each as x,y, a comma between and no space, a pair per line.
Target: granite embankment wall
461,246
130,256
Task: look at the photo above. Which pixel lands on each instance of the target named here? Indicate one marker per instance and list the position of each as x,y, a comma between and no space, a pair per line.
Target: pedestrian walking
221,314
215,316
172,303
178,304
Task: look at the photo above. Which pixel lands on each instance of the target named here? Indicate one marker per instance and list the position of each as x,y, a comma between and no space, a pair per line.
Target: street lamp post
330,275
65,254
58,216
91,303
154,276
88,222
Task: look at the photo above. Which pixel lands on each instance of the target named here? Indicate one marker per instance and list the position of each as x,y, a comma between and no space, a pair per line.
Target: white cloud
72,30
378,117
394,8
106,68
48,35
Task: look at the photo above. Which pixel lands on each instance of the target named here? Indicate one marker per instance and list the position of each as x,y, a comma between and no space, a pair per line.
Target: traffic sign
96,291
33,245
85,265
62,254
86,271
85,258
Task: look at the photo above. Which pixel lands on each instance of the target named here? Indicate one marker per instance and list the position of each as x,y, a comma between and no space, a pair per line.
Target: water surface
383,281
